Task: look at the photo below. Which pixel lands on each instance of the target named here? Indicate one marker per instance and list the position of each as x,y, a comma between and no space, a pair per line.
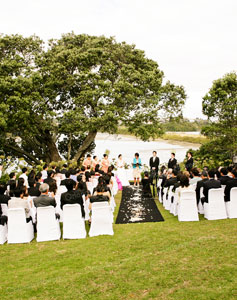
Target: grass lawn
166,260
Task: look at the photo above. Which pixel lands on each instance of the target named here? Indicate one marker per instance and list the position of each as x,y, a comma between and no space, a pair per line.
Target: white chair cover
170,195
115,186
73,223
112,203
95,182
159,189
61,189
86,207
187,207
90,188
48,228
174,208
215,208
101,221
4,209
18,230
200,206
3,234
165,199
231,206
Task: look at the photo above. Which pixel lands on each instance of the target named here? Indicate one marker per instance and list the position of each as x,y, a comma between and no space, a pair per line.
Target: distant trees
54,99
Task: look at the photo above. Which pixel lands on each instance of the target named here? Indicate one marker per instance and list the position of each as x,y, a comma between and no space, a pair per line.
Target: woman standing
105,163
137,164
121,171
189,162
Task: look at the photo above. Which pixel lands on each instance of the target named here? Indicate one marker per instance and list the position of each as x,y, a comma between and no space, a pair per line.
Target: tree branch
86,144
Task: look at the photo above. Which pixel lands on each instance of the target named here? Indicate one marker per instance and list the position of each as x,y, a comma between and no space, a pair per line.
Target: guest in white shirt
25,177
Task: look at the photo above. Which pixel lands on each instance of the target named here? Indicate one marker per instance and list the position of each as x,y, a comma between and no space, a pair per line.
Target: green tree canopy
220,106
55,99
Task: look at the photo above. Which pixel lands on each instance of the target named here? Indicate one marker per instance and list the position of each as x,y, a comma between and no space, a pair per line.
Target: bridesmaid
105,163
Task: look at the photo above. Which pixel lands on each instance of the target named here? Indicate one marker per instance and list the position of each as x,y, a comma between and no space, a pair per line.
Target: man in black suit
72,196
172,180
50,179
33,190
200,183
44,199
64,169
210,184
154,165
224,178
189,162
64,181
231,184
172,161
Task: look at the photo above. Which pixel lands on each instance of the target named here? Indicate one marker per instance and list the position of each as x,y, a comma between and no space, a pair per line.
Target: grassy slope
176,136
166,260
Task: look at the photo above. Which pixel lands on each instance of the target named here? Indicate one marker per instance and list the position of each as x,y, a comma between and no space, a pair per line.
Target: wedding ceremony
118,149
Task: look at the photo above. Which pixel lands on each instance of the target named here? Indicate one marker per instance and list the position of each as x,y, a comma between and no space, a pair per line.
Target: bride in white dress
121,171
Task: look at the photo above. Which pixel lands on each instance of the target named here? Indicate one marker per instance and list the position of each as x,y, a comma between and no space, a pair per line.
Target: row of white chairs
48,228
186,208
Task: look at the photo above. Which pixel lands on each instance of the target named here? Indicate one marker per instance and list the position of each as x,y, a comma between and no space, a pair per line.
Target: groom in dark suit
154,165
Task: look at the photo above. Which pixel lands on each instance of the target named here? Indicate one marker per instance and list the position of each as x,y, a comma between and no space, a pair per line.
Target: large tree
220,106
55,99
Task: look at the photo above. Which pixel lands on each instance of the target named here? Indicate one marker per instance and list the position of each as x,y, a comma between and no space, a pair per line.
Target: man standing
154,165
172,161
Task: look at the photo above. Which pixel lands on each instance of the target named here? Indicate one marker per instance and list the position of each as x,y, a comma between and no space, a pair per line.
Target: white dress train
122,173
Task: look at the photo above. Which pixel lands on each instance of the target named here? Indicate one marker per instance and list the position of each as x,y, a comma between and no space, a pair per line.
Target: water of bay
127,146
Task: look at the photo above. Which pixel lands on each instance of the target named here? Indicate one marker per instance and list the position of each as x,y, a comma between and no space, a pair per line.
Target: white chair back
73,223
200,206
48,228
18,230
4,209
3,234
215,208
165,199
187,208
101,221
231,206
89,185
86,207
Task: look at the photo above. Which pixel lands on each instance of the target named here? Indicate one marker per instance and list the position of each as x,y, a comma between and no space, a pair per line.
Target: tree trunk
86,144
52,154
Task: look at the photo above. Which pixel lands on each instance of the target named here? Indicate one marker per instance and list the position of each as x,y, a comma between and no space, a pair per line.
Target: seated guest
229,169
210,184
3,198
146,182
172,161
11,185
44,199
38,179
81,186
204,178
33,189
231,184
224,178
99,196
64,169
184,185
20,201
50,177
31,175
98,172
67,177
195,176
73,174
52,189
20,183
72,196
171,180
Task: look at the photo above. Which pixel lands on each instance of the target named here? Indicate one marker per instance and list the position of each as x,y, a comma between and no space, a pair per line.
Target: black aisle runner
135,208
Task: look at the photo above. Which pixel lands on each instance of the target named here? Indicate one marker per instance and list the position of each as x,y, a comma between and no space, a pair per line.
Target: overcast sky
193,41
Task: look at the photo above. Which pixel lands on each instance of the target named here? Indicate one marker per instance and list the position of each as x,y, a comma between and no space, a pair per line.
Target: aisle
135,208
